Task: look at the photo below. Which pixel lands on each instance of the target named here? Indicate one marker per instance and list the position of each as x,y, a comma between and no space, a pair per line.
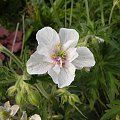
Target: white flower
57,55
35,117
12,109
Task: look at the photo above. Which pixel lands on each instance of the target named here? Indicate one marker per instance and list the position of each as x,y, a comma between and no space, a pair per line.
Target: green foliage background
93,95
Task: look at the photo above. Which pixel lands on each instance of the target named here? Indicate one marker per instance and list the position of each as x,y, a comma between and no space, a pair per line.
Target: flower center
59,58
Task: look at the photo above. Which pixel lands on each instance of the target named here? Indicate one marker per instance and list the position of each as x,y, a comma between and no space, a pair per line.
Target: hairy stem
71,12
87,11
11,55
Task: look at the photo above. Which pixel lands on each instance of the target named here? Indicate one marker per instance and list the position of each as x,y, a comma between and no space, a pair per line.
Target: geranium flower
57,54
11,109
35,117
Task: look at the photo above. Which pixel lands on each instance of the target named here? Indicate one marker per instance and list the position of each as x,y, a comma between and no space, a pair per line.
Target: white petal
68,34
66,76
14,109
47,36
7,105
67,45
71,54
35,117
56,68
53,75
37,65
45,51
85,58
24,116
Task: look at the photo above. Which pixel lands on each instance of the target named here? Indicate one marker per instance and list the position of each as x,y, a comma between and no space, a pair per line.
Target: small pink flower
17,47
3,32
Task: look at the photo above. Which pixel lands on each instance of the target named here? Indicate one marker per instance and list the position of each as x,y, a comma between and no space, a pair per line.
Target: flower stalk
87,11
42,90
56,116
11,55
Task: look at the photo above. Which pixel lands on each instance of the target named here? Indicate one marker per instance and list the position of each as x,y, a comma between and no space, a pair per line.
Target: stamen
59,58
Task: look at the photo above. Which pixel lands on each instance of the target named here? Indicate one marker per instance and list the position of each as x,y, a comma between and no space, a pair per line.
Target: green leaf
34,97
20,98
3,114
11,91
111,113
42,90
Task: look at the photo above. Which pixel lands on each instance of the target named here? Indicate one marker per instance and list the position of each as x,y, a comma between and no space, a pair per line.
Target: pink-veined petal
45,51
85,58
53,72
71,54
56,68
37,64
53,75
47,36
66,75
67,35
67,45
